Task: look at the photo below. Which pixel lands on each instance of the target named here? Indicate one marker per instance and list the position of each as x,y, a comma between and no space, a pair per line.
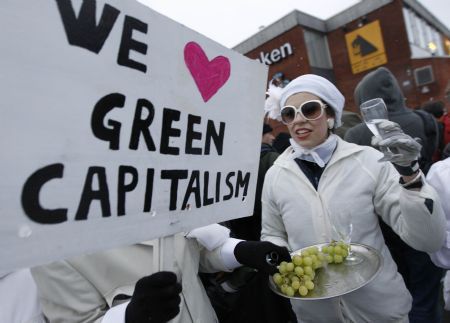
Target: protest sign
118,125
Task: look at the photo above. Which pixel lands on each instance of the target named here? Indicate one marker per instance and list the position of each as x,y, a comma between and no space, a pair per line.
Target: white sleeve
446,291
115,314
210,236
441,258
214,236
439,177
416,216
272,225
227,253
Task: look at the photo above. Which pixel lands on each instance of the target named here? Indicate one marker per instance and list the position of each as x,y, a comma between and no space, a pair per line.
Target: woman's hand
261,255
405,150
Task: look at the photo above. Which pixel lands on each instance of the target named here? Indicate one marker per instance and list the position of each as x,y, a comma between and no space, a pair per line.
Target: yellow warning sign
365,47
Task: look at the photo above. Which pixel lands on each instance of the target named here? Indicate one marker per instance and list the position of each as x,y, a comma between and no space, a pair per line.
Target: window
317,48
424,39
423,75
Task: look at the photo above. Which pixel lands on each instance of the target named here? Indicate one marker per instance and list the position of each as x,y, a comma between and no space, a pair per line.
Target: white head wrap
310,83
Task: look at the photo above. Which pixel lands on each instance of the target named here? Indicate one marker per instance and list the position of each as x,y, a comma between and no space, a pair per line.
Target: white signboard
118,125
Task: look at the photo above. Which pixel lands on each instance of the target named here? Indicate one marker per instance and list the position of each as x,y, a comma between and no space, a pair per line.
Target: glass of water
373,112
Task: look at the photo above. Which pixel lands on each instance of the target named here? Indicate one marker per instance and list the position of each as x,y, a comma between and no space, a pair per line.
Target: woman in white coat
320,175
439,177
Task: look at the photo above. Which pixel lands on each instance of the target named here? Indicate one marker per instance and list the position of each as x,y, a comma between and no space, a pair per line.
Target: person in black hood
381,83
421,276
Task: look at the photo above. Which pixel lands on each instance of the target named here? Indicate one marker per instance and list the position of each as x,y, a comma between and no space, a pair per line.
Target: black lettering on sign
89,194
82,31
211,133
123,188
193,187
192,135
167,131
30,196
230,186
242,182
174,176
206,200
103,106
127,43
142,125
149,190
218,176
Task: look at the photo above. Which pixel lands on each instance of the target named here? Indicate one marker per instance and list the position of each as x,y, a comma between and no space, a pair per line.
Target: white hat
310,83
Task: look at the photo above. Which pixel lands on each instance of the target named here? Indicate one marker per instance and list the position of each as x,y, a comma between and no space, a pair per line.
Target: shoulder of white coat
438,167
365,152
439,175
346,147
280,165
284,157
365,156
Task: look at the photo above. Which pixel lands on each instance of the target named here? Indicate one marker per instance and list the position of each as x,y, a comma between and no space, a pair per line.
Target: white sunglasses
310,110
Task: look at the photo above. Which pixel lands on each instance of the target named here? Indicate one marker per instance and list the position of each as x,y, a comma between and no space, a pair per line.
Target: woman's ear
330,122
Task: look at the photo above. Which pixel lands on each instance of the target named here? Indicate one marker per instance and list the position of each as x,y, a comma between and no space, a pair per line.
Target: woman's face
307,133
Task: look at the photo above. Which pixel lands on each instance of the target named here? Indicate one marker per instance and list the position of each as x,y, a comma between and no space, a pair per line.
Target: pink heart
209,76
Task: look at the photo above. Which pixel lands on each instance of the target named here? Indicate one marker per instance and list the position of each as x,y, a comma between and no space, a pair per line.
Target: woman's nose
299,117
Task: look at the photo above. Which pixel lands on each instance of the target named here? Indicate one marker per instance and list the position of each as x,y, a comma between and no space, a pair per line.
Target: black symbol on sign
362,47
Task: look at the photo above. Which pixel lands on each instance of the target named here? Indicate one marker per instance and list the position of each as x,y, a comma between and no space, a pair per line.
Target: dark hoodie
381,83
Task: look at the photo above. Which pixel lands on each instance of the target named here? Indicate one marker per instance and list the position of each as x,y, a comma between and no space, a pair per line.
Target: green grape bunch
296,278
336,252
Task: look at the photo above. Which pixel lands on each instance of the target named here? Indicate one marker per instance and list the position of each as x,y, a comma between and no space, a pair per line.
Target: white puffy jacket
296,215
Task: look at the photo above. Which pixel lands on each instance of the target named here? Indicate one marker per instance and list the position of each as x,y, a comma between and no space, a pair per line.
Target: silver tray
339,279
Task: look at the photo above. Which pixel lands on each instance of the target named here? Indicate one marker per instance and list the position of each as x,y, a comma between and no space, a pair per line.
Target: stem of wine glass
348,242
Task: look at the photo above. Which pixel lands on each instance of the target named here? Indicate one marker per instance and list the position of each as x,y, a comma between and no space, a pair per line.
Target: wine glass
373,112
342,223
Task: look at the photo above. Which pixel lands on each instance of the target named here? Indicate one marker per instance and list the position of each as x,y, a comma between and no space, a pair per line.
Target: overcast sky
230,22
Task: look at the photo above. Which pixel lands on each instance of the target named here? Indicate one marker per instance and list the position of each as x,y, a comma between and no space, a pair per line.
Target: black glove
155,299
261,255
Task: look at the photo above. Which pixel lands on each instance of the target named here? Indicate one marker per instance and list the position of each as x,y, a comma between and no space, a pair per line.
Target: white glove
397,147
210,236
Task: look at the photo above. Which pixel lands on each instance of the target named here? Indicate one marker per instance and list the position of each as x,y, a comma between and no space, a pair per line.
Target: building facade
401,35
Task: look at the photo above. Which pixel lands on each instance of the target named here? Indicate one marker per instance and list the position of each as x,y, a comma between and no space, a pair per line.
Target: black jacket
249,228
381,83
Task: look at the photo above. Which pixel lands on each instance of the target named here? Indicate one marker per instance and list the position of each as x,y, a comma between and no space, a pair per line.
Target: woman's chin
308,142
304,143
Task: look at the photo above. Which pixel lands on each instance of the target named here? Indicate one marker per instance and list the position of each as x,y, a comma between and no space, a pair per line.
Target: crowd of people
327,162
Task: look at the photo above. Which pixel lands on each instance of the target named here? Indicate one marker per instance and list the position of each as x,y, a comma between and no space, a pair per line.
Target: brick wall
292,66
397,50
441,72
